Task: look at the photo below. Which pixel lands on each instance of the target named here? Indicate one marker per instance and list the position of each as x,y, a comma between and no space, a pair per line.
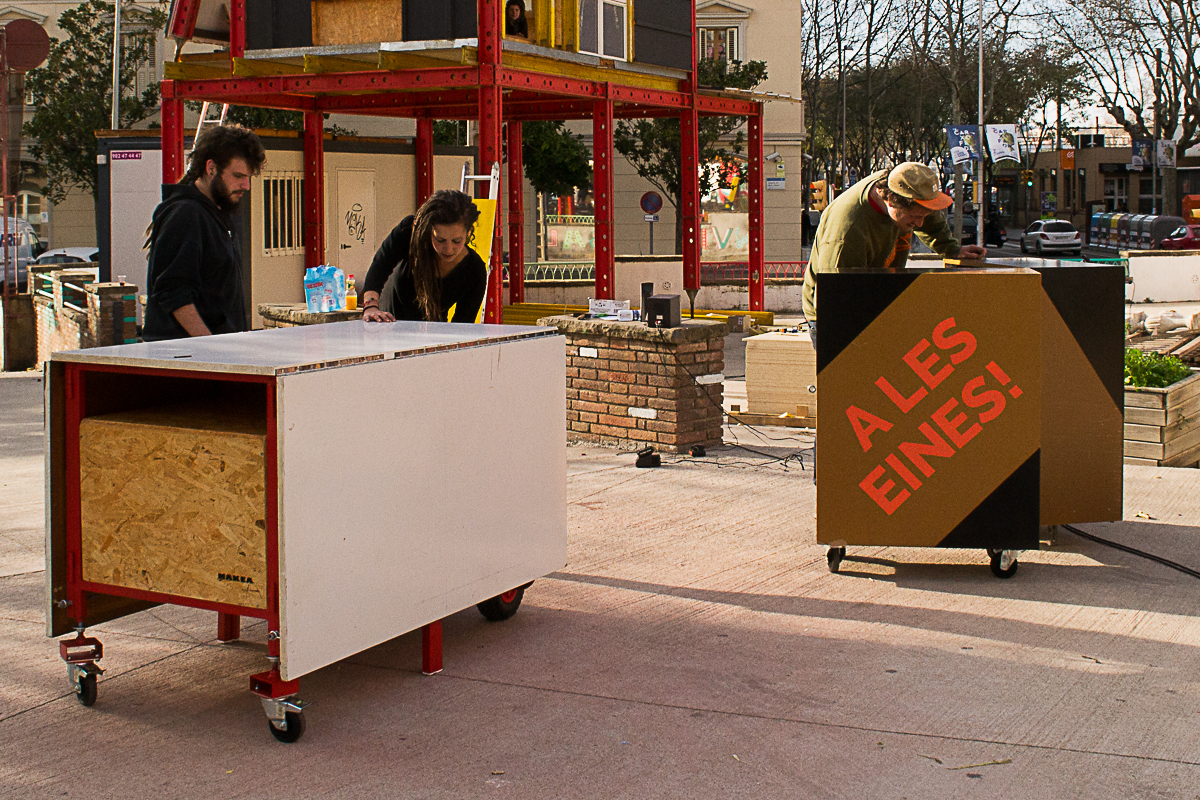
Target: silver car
1051,236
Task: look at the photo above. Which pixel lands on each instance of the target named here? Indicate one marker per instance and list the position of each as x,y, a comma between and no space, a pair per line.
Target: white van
23,246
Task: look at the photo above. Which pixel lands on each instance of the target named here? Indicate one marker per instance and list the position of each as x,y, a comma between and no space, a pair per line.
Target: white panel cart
348,483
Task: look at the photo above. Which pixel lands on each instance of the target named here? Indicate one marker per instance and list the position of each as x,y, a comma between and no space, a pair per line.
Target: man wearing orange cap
870,226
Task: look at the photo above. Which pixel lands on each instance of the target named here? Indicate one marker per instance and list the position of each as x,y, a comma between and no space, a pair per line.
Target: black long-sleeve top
195,259
390,275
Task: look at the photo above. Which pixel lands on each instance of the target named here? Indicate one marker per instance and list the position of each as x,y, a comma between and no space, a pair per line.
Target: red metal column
314,189
689,184
689,177
431,648
229,627
237,28
755,182
490,117
602,182
516,215
424,144
172,134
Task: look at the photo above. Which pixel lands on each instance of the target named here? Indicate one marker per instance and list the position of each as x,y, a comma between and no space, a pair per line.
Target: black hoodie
195,259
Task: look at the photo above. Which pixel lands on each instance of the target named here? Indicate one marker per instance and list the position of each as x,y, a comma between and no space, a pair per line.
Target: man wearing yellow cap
870,226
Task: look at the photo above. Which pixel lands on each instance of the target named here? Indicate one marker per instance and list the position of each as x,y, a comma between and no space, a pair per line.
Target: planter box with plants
1162,411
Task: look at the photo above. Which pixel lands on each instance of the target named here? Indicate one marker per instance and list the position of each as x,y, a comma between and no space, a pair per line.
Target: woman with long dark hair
426,265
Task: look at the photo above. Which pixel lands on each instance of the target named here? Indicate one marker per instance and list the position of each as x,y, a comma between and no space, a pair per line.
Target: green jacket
854,236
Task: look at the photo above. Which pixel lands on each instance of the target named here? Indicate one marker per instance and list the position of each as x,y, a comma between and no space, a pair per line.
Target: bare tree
1141,59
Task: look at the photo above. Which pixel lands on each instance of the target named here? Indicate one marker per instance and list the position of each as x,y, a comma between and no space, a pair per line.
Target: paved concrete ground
694,646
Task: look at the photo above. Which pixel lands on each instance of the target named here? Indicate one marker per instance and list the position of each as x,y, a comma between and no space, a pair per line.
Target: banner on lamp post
1066,159
1002,141
1143,150
1166,152
963,141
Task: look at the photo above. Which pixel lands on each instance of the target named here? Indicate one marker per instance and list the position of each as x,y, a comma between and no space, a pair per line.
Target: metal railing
710,271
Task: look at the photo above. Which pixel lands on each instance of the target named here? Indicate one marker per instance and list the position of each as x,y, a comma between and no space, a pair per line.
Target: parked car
68,255
24,245
1185,237
1051,236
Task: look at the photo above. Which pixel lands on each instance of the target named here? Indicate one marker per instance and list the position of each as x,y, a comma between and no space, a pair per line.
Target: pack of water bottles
325,288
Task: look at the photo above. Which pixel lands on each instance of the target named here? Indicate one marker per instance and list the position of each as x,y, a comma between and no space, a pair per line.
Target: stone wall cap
298,314
692,330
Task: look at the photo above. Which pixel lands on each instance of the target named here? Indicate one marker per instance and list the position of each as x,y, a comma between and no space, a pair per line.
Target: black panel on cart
661,33
439,19
278,23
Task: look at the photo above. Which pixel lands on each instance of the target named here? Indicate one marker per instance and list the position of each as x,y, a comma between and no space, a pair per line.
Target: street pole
843,175
1154,151
116,90
982,142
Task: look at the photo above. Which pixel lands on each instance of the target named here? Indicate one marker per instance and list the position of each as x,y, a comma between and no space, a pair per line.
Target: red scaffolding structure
492,91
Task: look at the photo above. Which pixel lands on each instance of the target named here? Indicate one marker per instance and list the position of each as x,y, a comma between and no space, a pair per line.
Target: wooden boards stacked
173,500
781,378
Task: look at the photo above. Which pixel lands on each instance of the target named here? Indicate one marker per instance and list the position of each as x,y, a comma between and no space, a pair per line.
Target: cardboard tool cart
347,483
968,407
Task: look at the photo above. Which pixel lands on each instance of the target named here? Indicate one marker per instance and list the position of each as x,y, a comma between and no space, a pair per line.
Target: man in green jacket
870,226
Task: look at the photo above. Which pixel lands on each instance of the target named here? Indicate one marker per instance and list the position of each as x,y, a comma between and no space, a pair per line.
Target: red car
1185,237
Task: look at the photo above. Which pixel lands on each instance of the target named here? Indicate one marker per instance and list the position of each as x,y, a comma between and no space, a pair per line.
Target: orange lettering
924,369
903,471
880,493
992,396
937,447
946,342
903,403
951,426
864,424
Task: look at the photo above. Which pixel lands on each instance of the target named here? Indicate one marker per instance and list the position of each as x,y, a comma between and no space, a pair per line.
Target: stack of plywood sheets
781,378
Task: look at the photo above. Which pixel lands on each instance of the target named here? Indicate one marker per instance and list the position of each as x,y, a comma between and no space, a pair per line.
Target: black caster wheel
833,557
86,692
502,606
995,556
294,728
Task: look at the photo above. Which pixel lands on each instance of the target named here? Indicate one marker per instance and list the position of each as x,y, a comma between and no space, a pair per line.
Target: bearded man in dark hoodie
194,282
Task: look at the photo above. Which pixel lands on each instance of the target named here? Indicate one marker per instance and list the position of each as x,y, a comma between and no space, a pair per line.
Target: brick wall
629,384
81,316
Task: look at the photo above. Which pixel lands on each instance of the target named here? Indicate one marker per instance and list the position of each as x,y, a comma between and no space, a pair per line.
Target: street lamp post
982,141
116,90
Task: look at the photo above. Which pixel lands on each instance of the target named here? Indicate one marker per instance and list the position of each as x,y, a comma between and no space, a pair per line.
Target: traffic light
1027,177
820,195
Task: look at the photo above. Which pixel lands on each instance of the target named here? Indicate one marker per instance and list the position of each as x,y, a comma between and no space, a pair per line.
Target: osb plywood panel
174,501
356,21
780,369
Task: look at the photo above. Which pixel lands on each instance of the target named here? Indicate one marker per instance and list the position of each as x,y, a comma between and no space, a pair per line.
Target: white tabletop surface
284,350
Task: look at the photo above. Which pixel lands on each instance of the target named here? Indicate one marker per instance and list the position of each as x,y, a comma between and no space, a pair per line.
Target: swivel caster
1003,563
290,729
81,655
83,680
285,716
502,606
833,557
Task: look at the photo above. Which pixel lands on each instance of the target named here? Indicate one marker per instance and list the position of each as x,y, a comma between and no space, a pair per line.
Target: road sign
652,203
652,218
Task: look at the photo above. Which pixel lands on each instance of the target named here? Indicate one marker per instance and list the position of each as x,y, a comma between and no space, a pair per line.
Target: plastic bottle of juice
351,294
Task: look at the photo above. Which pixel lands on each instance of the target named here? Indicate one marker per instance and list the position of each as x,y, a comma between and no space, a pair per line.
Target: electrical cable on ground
720,409
1166,562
